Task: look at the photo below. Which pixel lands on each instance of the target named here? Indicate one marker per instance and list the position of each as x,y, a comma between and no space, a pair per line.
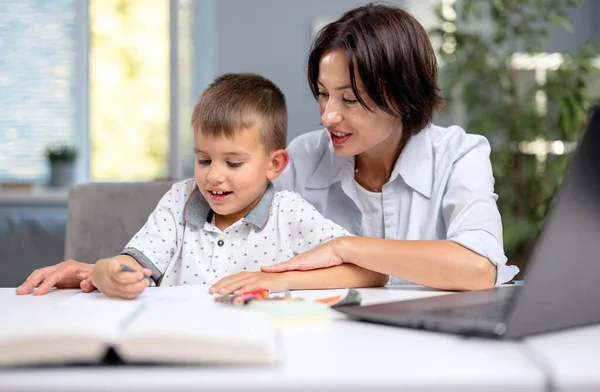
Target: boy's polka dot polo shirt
181,244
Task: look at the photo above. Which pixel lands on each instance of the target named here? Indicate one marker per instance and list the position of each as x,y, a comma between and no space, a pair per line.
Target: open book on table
179,333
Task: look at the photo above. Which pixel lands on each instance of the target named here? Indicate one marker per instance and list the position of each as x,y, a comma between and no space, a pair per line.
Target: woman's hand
323,256
248,281
66,275
108,277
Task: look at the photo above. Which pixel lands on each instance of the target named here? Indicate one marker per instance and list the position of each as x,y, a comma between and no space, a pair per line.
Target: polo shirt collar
197,208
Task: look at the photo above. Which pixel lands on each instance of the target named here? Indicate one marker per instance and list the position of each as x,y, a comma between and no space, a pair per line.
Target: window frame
82,91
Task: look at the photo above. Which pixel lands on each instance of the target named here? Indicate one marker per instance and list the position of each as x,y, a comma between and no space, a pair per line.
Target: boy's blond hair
239,101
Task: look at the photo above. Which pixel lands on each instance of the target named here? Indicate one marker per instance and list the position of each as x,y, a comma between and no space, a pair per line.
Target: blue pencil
126,268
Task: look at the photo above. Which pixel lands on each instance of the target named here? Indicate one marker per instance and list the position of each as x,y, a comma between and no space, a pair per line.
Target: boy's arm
112,277
154,245
127,260
340,276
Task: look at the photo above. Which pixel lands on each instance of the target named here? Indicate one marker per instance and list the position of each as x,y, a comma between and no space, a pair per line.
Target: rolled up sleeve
470,211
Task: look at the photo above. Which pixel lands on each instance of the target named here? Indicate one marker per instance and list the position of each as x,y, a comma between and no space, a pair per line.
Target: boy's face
232,173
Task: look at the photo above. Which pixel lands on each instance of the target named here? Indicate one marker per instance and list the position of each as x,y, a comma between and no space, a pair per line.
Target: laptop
562,288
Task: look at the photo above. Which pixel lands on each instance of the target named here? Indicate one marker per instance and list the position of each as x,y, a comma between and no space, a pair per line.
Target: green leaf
562,21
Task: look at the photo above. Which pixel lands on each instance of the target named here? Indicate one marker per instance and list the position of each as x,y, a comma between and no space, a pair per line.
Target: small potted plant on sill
62,165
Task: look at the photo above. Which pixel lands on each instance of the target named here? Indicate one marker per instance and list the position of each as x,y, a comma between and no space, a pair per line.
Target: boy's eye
235,164
322,94
203,162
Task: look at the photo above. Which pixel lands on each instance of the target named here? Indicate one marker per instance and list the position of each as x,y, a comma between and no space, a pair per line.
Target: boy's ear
279,160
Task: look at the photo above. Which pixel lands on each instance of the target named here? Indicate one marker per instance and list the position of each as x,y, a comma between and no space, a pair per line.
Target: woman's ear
279,160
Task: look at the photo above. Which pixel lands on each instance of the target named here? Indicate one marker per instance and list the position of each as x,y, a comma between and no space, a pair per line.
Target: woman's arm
439,264
339,276
67,275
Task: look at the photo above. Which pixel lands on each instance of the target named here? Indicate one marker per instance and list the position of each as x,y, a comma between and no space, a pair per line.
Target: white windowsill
38,195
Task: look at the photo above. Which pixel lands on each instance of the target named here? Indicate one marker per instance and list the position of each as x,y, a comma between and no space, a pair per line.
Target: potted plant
62,165
515,111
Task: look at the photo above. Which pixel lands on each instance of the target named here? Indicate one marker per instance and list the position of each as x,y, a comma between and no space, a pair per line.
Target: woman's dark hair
392,55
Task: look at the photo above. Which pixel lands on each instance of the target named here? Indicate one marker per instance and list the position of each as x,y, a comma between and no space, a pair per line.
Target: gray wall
586,28
595,16
269,37
272,38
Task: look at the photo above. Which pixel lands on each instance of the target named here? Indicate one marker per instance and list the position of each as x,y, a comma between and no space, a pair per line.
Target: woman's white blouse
371,207
441,187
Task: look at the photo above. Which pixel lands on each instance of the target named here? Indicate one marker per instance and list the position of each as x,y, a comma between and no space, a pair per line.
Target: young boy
229,221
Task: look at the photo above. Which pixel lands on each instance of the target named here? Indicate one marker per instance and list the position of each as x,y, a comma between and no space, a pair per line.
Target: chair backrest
103,217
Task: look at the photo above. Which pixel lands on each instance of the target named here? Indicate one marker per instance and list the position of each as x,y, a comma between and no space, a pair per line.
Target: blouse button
220,243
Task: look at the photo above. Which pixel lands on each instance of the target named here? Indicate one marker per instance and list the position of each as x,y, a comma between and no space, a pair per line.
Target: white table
342,355
571,356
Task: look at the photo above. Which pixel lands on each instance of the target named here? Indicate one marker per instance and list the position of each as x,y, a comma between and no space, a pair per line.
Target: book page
103,321
182,332
61,334
196,293
151,296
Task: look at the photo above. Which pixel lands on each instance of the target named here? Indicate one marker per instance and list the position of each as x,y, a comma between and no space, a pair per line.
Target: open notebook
163,333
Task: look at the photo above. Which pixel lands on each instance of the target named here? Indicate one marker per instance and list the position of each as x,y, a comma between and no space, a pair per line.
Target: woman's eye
350,101
203,162
322,94
235,164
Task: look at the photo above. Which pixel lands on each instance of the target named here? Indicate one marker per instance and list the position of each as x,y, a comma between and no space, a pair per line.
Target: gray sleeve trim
144,262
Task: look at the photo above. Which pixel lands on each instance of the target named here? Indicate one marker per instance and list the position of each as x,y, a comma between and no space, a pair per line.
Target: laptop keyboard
493,311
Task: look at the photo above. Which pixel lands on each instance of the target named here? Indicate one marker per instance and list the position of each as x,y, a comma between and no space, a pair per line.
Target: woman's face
352,128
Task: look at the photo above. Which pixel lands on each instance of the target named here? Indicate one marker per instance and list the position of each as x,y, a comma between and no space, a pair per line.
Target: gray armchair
103,217
31,236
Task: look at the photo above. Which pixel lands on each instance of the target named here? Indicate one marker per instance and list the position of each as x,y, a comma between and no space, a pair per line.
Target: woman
420,196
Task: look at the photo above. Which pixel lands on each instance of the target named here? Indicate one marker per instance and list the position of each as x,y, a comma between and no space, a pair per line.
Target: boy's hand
66,275
248,281
114,283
